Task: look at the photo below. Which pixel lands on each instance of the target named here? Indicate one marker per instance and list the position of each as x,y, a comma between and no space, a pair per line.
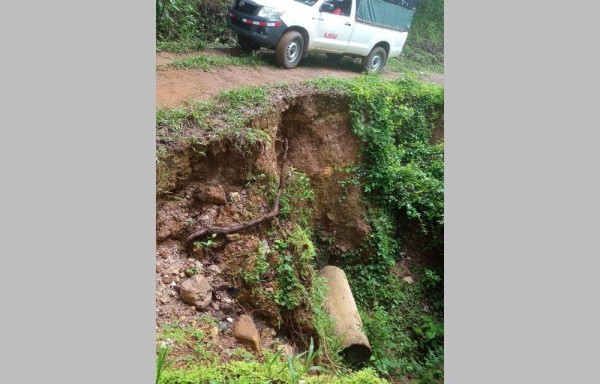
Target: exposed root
238,228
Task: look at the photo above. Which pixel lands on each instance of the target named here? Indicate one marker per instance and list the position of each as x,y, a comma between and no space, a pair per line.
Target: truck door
334,25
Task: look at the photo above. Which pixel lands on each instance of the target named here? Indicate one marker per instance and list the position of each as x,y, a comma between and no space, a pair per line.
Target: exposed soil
321,143
175,86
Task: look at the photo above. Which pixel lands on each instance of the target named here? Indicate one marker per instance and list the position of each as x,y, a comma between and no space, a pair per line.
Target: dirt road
175,86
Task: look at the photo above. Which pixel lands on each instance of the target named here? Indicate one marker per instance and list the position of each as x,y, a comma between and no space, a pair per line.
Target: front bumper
262,31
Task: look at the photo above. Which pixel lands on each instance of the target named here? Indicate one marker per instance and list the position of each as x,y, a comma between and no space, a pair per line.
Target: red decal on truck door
330,35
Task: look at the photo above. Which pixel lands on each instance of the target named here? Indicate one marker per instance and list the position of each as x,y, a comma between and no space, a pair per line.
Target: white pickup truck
371,29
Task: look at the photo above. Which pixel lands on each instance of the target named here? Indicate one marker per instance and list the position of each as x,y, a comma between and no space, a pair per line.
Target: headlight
270,13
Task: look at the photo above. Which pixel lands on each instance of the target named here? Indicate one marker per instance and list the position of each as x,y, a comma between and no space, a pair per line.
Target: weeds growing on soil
227,117
209,62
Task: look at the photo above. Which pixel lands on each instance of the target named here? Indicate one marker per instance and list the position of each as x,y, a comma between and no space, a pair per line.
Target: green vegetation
226,116
162,362
402,171
291,252
274,369
207,62
425,43
402,174
183,25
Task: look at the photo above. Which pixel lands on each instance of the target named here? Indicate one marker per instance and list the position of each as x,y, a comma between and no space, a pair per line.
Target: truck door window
340,7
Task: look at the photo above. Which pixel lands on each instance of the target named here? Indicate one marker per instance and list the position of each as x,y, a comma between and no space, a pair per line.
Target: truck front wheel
289,50
375,60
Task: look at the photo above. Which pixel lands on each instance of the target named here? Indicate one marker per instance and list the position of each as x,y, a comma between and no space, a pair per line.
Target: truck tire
289,49
247,45
375,60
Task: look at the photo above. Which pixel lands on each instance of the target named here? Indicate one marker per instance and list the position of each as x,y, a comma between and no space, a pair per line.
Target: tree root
252,223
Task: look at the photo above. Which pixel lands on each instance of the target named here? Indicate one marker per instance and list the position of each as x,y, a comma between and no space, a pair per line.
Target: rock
325,173
214,268
167,279
233,237
266,332
330,216
196,291
212,195
229,319
207,218
234,197
214,334
408,279
215,305
182,274
245,331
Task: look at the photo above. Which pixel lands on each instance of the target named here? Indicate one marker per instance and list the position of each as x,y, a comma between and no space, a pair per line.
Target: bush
193,22
402,174
425,43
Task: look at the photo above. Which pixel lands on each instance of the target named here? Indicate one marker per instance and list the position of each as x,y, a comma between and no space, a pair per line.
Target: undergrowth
286,260
402,174
274,369
425,42
182,25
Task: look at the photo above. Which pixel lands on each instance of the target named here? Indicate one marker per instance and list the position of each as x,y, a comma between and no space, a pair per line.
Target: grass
242,367
404,64
274,368
180,46
226,116
207,62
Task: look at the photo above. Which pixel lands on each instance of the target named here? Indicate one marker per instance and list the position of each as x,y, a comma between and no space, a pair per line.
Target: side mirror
327,7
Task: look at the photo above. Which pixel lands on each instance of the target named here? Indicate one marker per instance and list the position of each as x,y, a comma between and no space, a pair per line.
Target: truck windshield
310,3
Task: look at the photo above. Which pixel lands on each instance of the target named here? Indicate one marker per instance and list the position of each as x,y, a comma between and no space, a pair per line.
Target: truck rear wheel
375,60
289,50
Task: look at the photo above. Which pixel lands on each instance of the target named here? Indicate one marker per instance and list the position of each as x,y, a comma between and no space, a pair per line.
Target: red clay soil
175,86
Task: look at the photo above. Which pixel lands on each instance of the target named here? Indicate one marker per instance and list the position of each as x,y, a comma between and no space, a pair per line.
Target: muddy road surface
175,86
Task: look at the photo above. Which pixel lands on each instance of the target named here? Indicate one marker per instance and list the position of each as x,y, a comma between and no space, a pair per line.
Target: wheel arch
385,45
304,34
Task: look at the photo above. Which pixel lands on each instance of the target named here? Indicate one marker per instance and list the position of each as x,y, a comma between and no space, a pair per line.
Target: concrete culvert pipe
340,305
